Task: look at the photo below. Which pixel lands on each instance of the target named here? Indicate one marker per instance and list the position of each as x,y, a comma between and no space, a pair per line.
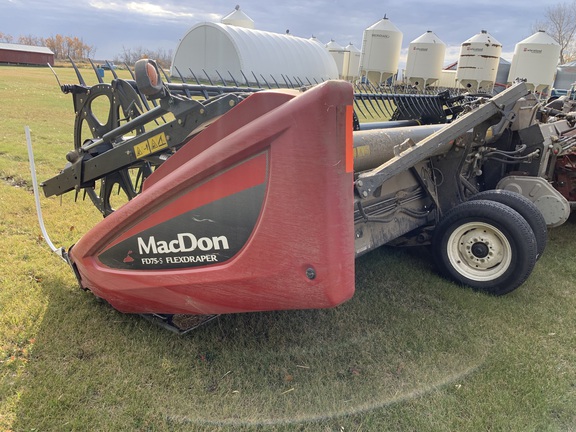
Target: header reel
118,141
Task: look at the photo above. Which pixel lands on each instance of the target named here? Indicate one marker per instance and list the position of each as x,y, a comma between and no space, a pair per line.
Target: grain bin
338,53
238,18
352,66
535,60
380,55
478,62
424,60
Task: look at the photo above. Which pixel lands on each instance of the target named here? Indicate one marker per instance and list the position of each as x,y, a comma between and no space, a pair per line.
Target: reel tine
224,83
380,102
398,103
245,78
78,74
130,70
427,104
98,77
256,78
372,105
432,104
112,69
366,106
195,77
208,76
275,82
359,108
183,82
422,104
57,79
412,105
202,88
168,80
369,97
264,79
389,110
439,106
387,100
233,79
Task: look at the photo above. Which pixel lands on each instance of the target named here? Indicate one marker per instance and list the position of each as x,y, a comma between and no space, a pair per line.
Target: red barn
25,54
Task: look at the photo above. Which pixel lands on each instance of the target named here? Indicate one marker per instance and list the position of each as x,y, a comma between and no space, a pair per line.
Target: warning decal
151,145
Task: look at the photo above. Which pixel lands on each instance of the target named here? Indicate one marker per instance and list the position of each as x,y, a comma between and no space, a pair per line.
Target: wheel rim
479,251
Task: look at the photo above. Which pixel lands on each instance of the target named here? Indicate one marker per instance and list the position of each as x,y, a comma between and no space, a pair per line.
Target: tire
486,245
527,210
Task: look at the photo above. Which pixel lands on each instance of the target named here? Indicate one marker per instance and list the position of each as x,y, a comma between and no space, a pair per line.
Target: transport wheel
527,210
486,245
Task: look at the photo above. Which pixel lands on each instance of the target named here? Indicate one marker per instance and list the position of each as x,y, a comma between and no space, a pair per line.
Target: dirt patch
17,182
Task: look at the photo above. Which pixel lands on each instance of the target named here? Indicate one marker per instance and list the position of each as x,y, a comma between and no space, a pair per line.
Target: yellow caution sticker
151,145
362,151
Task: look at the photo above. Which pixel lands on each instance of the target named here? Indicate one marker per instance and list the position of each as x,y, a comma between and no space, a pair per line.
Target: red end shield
254,213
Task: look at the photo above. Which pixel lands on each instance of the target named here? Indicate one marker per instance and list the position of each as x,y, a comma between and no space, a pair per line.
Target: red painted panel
299,250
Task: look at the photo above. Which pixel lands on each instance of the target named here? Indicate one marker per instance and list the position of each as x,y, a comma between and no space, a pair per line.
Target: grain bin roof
218,47
238,18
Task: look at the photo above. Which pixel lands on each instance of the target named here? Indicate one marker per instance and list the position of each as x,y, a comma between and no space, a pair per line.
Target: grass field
409,352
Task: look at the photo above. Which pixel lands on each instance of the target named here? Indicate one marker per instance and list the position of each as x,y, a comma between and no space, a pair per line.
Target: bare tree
132,55
62,46
30,40
560,23
163,57
6,38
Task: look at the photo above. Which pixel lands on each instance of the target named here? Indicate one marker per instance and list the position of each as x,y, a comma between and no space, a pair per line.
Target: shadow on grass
401,335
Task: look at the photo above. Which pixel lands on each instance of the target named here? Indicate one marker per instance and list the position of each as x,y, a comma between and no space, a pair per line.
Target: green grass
409,352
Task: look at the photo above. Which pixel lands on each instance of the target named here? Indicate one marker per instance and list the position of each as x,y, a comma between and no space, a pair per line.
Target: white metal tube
59,251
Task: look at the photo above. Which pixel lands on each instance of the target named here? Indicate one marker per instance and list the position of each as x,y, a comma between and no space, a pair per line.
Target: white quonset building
237,50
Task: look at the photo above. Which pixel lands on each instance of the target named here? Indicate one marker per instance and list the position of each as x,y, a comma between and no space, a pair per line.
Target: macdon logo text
184,242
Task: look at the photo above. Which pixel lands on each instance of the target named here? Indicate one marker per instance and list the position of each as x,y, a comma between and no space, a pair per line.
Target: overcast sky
111,25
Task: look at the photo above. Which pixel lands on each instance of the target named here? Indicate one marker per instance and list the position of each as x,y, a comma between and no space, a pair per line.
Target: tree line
65,47
132,55
62,46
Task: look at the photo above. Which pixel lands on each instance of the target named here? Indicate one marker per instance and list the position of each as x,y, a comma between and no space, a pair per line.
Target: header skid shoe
252,214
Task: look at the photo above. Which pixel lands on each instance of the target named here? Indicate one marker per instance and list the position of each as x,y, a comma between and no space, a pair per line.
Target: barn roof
25,48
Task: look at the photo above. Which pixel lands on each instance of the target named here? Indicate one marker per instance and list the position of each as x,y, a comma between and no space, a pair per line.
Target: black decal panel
207,235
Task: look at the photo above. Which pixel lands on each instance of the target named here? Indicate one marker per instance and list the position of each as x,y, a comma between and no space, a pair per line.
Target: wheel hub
480,250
